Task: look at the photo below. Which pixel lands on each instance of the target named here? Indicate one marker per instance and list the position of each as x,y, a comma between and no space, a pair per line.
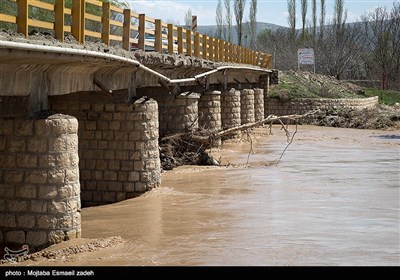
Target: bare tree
382,40
291,5
304,6
228,20
188,19
339,16
239,6
322,20
340,52
314,19
219,20
253,21
280,44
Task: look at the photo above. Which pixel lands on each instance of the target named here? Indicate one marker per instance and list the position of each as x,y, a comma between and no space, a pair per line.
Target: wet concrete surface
332,200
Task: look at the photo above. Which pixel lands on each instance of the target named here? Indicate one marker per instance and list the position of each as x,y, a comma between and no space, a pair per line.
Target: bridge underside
83,130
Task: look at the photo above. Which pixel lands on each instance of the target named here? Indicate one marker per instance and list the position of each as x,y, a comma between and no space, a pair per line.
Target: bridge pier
39,181
177,113
258,104
230,108
247,106
118,144
210,110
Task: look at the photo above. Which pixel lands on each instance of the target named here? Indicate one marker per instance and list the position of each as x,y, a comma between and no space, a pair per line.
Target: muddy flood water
333,200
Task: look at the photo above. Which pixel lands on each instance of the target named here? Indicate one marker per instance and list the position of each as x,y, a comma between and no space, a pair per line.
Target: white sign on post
306,56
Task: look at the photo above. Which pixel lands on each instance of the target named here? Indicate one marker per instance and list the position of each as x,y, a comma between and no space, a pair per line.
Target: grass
388,97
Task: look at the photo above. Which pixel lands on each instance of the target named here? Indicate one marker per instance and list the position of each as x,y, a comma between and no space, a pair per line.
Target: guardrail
98,20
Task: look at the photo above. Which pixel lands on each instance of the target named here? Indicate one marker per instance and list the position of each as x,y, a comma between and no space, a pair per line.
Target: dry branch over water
191,148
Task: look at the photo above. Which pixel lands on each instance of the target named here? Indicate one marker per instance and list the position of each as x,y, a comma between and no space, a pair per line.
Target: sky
271,11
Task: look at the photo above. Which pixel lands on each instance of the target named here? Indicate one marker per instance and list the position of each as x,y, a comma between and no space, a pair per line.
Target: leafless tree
219,20
304,6
382,42
239,6
228,20
314,19
291,5
340,51
322,20
188,19
253,21
280,44
339,16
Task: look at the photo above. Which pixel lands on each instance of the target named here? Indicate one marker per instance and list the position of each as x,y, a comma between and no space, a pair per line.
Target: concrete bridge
80,128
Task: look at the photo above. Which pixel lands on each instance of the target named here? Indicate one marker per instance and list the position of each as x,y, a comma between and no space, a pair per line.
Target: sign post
306,56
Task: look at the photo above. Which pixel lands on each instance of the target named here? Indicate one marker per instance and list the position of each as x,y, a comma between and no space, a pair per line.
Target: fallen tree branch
215,135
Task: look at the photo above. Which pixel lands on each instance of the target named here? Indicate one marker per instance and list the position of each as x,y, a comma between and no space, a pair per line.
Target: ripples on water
332,200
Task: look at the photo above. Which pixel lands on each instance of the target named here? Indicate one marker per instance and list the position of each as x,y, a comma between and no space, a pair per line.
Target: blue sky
272,11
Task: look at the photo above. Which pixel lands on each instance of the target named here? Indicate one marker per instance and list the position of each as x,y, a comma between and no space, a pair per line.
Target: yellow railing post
170,38
204,46
180,39
188,42
22,17
158,36
216,49
197,44
78,20
142,31
221,50
210,48
105,21
226,50
59,19
126,36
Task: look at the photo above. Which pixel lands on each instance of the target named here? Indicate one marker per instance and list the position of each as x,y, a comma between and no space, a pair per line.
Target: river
332,200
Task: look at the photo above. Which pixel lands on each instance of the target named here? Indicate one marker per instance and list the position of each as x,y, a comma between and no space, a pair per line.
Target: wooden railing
97,20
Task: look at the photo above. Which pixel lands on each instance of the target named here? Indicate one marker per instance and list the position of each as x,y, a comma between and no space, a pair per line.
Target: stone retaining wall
230,108
118,145
247,106
302,105
39,181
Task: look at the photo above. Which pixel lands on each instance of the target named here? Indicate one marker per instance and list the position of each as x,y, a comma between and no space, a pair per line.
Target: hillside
260,26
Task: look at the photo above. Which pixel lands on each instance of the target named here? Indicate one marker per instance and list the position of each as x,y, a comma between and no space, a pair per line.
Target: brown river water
333,200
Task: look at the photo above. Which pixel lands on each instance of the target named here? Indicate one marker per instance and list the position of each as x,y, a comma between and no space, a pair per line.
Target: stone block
56,177
70,234
13,176
6,127
36,238
38,206
109,196
57,207
26,191
7,221
17,205
26,221
15,236
15,144
46,222
26,160
23,127
36,145
47,192
65,222
7,161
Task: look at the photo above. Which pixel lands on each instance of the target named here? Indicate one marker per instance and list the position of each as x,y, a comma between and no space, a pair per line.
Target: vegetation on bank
299,84
388,97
